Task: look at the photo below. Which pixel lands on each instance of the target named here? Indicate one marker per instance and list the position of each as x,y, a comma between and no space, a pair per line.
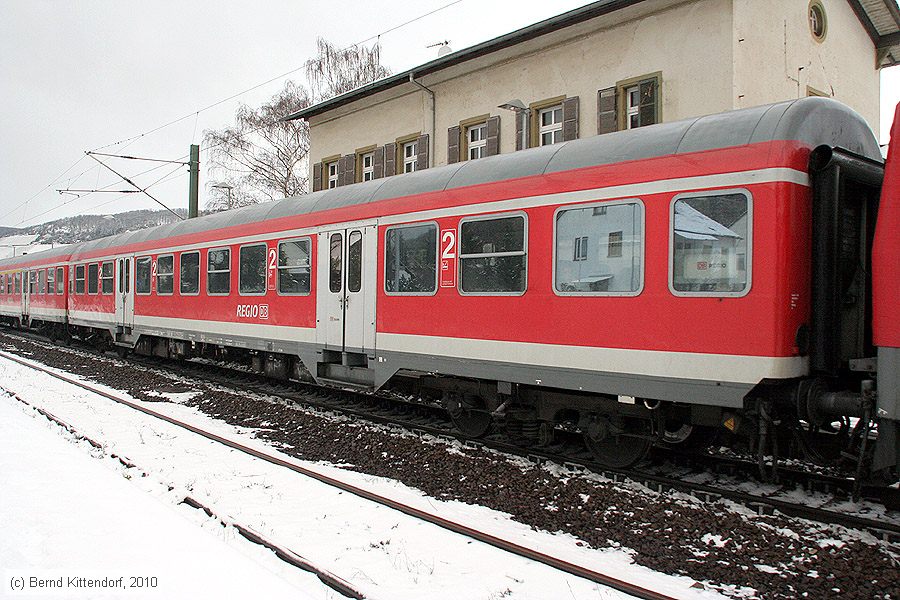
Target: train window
93,278
492,257
60,280
410,260
354,261
51,281
293,267
252,272
599,250
42,281
710,252
18,283
142,275
335,263
3,284
218,272
31,282
189,266
106,277
165,274
79,279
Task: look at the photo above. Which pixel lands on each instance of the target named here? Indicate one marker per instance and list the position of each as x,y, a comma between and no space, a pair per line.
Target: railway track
328,578
425,420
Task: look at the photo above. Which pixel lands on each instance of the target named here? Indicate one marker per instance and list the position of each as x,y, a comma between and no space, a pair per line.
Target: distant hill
84,228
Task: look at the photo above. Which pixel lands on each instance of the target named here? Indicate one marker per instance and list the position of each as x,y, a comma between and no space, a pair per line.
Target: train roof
811,121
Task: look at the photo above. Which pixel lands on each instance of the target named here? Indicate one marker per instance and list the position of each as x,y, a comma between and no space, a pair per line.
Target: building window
492,255
710,253
550,123
189,273
332,170
252,274
410,260
599,272
142,274
476,141
411,156
293,267
93,278
640,102
165,274
218,272
106,277
79,279
818,25
367,164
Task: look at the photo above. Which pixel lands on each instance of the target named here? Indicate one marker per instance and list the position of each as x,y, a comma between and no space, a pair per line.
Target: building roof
881,19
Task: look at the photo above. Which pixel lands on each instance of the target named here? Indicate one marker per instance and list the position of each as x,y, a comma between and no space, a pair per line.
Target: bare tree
336,71
263,158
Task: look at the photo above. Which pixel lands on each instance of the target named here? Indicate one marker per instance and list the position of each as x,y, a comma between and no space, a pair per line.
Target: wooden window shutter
422,155
521,130
348,170
492,147
570,118
378,163
453,144
317,177
390,159
607,120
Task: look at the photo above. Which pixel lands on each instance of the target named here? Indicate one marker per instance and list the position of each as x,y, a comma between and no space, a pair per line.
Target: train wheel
468,413
618,450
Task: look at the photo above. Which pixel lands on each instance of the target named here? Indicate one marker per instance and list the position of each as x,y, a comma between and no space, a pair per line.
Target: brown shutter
317,177
378,163
422,154
348,170
607,120
570,118
390,159
453,145
492,147
521,130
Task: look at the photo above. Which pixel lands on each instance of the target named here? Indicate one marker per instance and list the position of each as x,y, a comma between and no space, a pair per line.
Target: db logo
702,266
252,311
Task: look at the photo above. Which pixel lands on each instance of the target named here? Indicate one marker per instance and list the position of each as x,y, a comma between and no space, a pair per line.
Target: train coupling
818,405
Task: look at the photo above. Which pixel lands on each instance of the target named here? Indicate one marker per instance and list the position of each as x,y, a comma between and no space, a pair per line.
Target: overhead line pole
194,185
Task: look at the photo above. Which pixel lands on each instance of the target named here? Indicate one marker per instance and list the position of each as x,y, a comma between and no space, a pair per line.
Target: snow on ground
384,553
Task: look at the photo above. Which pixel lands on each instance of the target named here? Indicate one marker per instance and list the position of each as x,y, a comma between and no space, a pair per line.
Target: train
728,279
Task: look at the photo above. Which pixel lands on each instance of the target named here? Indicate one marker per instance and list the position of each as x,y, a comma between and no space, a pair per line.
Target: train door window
711,244
252,273
189,273
218,272
165,274
51,281
492,255
354,261
93,278
599,250
335,262
79,279
60,280
106,277
293,267
410,260
142,274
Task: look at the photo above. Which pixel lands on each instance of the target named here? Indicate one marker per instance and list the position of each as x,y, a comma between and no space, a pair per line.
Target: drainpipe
412,79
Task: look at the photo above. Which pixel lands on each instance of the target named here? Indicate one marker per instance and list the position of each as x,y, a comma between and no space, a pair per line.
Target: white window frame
181,256
410,159
88,279
671,253
265,272
331,171
111,278
460,255
553,128
227,270
368,170
158,274
581,248
632,109
479,145
437,249
150,288
82,279
643,220
279,267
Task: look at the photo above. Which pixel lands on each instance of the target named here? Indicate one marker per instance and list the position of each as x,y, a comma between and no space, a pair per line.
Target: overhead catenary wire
130,182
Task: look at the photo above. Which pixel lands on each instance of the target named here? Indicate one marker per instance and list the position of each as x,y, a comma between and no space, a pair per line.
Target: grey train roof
814,121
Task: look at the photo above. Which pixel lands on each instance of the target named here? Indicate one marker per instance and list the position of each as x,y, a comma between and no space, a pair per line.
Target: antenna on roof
443,48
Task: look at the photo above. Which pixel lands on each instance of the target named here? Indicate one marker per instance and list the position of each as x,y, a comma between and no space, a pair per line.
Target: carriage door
346,289
27,290
124,292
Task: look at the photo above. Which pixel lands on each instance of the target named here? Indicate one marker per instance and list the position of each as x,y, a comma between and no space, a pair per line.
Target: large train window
165,274
93,278
293,267
492,255
410,260
711,244
142,273
218,272
51,281
599,250
252,273
60,280
107,277
189,273
79,279
42,281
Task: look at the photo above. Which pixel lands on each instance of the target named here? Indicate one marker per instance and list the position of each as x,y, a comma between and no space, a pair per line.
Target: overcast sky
77,75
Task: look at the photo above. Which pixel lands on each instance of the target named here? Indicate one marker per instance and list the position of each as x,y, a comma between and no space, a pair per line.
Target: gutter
412,79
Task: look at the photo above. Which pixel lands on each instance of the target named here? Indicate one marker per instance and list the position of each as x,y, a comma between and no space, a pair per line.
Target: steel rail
629,588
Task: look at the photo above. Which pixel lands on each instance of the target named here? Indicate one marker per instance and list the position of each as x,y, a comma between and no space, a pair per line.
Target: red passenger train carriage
637,287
